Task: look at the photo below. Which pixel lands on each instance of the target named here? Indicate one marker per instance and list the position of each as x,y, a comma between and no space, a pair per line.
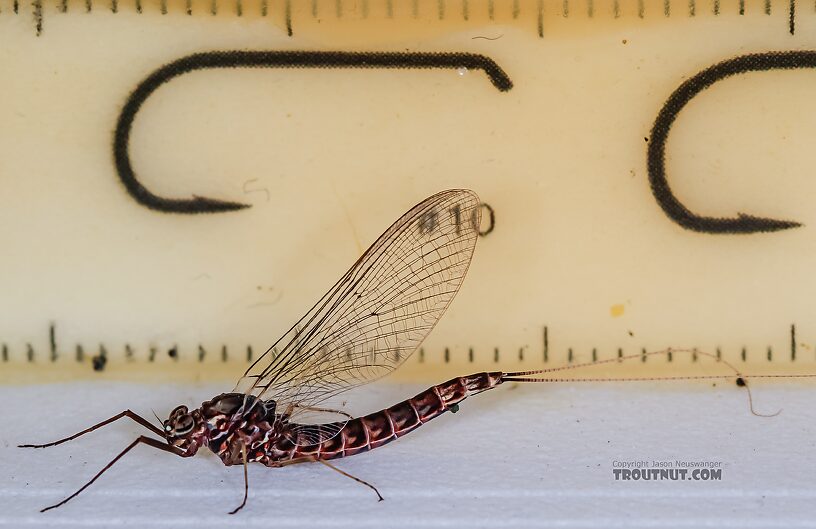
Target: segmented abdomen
376,429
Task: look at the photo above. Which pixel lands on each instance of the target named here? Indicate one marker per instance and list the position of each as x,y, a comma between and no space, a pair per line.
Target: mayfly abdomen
381,427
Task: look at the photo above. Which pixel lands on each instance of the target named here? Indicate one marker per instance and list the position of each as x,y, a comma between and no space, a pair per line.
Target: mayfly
363,328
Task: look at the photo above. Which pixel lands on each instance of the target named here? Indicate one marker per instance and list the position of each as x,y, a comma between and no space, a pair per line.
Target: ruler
182,179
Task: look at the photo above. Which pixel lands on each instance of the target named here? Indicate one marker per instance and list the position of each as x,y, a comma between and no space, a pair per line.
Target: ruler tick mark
692,7
189,7
249,353
288,8
793,341
496,355
99,361
52,341
5,353
540,18
224,355
80,353
792,17
114,7
201,353
546,341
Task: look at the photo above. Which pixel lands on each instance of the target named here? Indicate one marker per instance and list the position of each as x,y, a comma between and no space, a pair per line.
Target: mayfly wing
379,311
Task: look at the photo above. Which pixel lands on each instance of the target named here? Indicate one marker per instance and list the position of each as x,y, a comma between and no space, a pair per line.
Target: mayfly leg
313,459
141,439
358,480
127,413
323,410
246,479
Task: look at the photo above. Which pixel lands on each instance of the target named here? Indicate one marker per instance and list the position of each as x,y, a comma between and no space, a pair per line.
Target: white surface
524,456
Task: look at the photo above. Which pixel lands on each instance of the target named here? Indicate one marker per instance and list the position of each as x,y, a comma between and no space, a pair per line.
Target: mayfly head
185,430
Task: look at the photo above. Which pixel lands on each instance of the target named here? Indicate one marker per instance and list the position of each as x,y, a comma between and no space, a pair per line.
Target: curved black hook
679,213
266,59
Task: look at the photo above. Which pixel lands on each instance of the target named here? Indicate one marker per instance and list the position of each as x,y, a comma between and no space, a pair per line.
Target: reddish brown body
271,440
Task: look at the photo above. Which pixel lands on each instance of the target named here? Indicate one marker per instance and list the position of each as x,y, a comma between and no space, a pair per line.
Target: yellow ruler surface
183,179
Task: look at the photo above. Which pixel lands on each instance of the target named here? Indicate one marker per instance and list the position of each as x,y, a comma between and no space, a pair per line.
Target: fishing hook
266,59
656,162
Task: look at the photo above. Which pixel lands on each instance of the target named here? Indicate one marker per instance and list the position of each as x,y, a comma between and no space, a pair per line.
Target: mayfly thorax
363,328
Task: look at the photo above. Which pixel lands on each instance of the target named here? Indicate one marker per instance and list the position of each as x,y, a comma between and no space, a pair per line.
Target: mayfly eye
184,425
178,410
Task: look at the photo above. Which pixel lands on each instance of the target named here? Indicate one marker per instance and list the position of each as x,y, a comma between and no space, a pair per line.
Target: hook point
209,205
752,224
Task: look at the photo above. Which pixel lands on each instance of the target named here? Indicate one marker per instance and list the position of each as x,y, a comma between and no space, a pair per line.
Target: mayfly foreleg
246,479
142,439
127,413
